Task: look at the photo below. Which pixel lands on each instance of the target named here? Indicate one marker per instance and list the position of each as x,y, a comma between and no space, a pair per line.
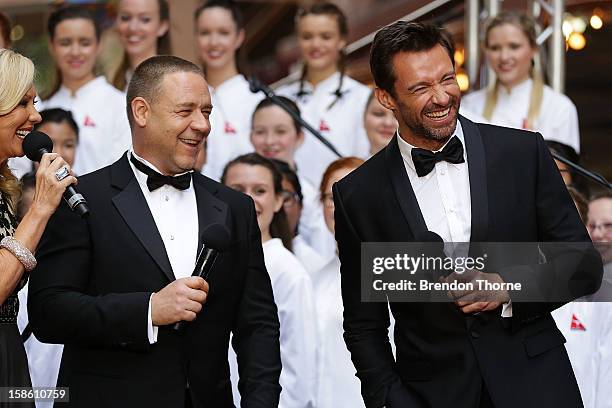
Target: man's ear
140,111
385,99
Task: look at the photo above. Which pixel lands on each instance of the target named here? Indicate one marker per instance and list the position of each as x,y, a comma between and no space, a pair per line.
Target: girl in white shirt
143,27
219,35
338,385
519,98
330,101
258,177
276,135
97,107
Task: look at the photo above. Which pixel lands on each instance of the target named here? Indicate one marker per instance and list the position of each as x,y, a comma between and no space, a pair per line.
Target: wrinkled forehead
184,88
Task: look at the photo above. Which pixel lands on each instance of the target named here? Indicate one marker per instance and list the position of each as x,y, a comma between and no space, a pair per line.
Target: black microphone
215,239
37,143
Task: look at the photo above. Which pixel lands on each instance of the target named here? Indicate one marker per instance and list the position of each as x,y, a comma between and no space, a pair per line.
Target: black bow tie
156,180
425,160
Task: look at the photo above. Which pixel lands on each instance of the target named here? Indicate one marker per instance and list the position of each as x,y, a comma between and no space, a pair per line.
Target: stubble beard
419,129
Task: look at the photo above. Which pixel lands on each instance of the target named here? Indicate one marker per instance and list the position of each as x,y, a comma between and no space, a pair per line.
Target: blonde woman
17,243
143,27
519,98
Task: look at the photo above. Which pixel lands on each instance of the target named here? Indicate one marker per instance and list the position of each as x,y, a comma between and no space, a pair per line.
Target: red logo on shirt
88,122
229,128
323,127
525,124
576,324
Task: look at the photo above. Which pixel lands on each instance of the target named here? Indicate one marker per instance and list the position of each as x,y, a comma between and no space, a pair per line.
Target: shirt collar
140,176
330,83
228,84
90,86
522,88
406,148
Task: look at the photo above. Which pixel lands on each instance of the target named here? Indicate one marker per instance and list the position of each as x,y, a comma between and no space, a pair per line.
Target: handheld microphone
37,143
215,239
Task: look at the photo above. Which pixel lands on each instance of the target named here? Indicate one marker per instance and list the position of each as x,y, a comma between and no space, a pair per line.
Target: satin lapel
477,166
211,210
403,189
131,204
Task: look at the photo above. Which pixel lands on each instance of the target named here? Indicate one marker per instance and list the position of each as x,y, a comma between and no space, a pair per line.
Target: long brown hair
527,25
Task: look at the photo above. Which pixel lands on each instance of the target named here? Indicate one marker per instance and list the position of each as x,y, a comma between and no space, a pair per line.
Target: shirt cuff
152,330
507,309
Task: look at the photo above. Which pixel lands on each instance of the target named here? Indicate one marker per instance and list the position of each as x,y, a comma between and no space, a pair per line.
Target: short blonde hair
16,78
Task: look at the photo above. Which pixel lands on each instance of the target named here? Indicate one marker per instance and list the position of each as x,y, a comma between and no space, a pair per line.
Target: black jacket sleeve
59,308
257,330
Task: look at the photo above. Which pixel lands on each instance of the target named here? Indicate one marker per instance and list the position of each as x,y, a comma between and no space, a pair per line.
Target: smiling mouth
439,114
191,142
22,133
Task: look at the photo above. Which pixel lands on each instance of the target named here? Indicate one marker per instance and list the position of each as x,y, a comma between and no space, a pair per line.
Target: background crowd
259,149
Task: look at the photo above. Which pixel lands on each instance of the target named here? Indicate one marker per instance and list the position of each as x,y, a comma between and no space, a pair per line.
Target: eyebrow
424,83
192,105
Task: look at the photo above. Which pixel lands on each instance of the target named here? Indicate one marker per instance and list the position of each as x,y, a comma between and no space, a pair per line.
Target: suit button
474,334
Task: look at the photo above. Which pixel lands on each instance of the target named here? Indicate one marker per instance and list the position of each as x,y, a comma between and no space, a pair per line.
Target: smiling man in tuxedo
110,287
445,174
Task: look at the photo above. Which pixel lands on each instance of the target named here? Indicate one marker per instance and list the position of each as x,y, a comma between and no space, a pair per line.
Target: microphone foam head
35,144
216,236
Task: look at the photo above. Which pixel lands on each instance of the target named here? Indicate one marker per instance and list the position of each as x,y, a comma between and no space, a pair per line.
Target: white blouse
558,118
341,124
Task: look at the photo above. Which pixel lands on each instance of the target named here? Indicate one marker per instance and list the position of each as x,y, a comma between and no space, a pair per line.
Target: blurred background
582,70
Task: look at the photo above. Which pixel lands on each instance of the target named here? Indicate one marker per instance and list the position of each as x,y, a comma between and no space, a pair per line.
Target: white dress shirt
443,196
342,124
230,124
558,119
294,298
175,213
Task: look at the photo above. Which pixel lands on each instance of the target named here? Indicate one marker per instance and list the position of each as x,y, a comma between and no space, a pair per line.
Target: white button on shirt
175,213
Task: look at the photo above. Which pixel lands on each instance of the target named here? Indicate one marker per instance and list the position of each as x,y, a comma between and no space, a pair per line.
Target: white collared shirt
342,124
175,213
443,194
444,197
558,119
230,124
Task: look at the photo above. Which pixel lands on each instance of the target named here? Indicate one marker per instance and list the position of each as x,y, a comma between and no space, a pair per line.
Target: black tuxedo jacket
91,290
443,356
